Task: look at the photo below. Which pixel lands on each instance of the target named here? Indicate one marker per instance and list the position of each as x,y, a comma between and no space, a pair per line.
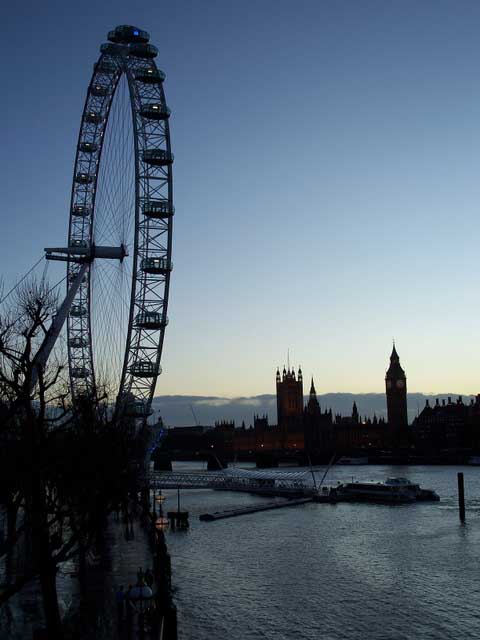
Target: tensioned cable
21,280
57,285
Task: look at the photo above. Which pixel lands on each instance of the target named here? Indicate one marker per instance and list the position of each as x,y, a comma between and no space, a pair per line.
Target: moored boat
392,491
415,489
373,492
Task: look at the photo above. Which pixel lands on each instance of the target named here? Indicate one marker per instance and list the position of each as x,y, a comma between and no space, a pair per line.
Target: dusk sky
326,181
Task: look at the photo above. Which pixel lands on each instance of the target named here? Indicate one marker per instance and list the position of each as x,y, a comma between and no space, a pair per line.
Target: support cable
21,280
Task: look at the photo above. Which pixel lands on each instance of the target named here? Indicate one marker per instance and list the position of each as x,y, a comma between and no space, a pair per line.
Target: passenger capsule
112,49
157,157
99,90
127,34
80,210
93,117
77,342
137,409
151,320
88,147
150,75
84,178
158,209
155,111
78,243
147,51
78,311
156,265
105,67
145,369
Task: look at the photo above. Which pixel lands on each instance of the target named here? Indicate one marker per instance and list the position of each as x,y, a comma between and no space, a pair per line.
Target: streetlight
157,501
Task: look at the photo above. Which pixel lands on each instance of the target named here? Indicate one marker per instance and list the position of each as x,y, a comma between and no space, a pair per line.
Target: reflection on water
332,571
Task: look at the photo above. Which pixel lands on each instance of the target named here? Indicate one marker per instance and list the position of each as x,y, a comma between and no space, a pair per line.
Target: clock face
400,384
389,384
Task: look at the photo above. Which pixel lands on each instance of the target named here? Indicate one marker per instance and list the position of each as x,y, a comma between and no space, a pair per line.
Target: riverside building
315,431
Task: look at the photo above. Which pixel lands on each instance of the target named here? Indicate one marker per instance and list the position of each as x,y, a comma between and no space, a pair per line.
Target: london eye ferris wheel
120,227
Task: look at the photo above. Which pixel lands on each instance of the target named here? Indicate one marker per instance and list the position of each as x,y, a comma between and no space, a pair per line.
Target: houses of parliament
308,429
304,427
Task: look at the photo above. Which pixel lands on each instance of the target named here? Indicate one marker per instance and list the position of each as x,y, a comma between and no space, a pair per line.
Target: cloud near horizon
175,410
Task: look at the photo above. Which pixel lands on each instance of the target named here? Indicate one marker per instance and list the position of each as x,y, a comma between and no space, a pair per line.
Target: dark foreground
89,608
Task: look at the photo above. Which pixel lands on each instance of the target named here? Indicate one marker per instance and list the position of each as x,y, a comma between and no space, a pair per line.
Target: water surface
344,571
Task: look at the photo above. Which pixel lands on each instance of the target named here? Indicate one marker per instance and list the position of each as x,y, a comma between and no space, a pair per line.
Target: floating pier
232,513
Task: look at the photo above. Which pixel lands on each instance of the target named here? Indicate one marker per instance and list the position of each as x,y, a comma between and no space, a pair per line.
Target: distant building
448,425
222,438
267,437
396,390
185,439
317,425
326,434
290,408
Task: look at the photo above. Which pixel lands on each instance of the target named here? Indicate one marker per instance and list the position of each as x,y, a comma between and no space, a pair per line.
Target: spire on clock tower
396,389
394,355
395,370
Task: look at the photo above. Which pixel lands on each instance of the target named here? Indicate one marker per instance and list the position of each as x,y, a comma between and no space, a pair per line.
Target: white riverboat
392,491
415,489
372,492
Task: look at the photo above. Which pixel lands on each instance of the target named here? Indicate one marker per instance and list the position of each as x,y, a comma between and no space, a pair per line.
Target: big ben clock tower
396,387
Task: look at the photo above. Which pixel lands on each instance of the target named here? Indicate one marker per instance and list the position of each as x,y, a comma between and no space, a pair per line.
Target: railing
236,480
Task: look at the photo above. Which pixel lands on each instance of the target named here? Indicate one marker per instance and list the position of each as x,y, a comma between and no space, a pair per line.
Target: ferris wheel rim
145,333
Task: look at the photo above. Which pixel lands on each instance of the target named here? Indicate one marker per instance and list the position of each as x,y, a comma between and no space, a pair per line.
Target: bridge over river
268,482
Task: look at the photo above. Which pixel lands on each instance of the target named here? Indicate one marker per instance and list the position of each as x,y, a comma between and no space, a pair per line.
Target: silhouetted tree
61,471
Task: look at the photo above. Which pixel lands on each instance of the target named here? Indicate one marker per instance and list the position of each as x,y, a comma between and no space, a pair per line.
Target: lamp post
141,598
161,523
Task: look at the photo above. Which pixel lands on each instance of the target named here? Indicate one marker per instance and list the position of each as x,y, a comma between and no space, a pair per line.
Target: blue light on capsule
135,33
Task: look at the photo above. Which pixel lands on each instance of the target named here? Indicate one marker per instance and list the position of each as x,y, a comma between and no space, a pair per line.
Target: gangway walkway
267,482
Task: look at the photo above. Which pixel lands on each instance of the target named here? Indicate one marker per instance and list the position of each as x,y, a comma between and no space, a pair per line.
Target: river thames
344,571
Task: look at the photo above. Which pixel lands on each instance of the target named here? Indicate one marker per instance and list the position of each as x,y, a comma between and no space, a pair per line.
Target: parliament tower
396,389
289,402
